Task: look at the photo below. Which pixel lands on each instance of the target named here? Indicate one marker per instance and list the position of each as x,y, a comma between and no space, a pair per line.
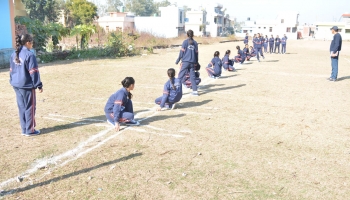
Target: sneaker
263,57
36,132
195,93
110,123
133,123
217,77
173,106
332,79
211,77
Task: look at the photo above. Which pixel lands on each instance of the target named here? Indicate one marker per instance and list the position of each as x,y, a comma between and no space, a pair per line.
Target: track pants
26,102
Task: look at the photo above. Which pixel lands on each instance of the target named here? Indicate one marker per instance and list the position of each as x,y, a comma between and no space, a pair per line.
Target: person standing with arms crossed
25,79
277,44
189,56
271,44
335,48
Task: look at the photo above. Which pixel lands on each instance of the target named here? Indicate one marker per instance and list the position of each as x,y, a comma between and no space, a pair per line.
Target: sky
310,11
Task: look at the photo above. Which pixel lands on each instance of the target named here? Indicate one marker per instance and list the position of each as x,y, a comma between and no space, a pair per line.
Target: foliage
140,7
84,31
112,5
43,10
120,44
80,12
163,3
41,33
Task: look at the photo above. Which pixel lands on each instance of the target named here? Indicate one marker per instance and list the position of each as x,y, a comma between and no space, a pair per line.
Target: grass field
272,130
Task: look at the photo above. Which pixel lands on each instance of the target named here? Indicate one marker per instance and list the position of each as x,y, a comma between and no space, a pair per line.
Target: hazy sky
310,10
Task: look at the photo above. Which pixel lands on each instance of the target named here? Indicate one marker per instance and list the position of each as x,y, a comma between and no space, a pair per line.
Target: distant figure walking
335,48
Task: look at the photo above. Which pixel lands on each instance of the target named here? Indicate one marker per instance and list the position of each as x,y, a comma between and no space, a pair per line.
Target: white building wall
195,21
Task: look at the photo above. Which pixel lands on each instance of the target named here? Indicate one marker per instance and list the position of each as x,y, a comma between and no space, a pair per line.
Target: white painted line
160,134
78,118
155,128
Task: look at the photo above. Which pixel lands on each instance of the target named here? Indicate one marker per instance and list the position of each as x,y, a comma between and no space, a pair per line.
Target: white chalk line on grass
77,152
154,133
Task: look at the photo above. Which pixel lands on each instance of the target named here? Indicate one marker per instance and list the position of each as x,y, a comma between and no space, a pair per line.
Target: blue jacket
254,42
284,40
258,43
266,40
171,95
25,75
246,40
241,54
336,43
188,52
245,51
271,40
226,61
116,103
278,41
217,64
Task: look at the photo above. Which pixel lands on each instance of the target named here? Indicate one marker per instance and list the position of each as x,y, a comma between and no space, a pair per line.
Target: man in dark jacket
334,51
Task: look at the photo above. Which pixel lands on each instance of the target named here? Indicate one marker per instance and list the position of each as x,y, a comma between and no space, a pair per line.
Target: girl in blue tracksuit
227,64
240,58
119,107
246,39
266,43
189,56
214,67
172,92
284,43
197,75
252,53
271,44
277,44
246,51
25,79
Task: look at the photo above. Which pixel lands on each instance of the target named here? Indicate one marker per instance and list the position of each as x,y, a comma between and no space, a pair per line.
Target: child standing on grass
119,107
172,92
227,64
214,67
25,79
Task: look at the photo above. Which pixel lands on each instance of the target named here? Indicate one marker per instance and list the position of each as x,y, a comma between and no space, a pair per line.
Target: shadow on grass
272,61
72,174
343,78
193,103
222,88
81,122
224,77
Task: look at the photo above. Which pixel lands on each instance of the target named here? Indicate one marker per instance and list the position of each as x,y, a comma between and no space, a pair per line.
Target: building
323,28
117,21
208,21
285,23
169,24
196,21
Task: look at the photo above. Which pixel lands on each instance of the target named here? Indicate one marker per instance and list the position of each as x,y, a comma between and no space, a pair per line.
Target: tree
163,3
80,12
112,5
140,7
43,10
84,31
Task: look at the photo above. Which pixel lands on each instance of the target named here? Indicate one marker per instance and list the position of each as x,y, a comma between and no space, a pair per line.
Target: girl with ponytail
214,67
227,64
25,79
119,109
172,92
189,56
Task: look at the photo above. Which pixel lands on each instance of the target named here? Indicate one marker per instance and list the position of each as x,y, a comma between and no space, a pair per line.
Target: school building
210,20
285,23
169,24
323,28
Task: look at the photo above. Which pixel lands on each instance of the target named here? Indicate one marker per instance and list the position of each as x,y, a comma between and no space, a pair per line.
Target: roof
346,15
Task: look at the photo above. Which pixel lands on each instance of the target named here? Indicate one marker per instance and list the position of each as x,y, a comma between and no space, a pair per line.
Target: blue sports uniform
277,44
25,78
266,43
284,44
258,47
197,75
189,56
170,95
119,107
246,39
271,44
227,64
214,67
240,58
335,48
